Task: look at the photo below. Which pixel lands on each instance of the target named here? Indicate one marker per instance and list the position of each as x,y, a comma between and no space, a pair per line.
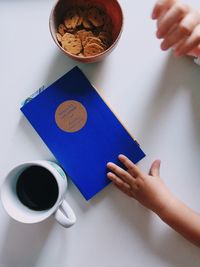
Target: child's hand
179,26
149,190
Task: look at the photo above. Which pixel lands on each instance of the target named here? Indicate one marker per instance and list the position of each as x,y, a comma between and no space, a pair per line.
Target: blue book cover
80,130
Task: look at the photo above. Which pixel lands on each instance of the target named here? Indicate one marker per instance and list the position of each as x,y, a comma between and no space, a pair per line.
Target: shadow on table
61,64
178,74
130,212
24,243
170,247
167,245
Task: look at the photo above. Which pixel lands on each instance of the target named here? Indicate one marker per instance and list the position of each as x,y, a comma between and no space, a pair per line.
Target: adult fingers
124,175
171,17
155,168
160,7
190,43
131,167
195,52
171,39
184,28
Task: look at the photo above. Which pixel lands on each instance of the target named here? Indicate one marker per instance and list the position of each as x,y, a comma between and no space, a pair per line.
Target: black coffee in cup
37,188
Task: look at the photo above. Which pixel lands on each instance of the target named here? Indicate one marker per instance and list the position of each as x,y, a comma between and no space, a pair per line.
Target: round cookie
92,50
62,29
71,19
59,37
71,43
95,40
95,16
105,37
83,35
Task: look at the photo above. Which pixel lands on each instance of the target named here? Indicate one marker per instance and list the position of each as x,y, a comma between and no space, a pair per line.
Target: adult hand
178,24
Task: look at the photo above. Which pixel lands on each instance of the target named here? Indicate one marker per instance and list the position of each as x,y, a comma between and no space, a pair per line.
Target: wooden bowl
111,7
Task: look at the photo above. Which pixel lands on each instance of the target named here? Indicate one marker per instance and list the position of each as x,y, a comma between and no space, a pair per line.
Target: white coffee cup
61,210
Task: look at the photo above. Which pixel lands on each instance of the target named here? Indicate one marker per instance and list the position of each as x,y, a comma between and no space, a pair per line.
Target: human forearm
151,192
182,219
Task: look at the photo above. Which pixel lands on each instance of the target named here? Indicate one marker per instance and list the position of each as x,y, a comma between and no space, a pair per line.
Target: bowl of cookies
86,30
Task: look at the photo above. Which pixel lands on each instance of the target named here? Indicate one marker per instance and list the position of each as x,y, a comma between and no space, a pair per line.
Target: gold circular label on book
71,116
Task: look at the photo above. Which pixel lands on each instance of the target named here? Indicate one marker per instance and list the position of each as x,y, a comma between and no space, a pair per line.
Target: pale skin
178,25
151,192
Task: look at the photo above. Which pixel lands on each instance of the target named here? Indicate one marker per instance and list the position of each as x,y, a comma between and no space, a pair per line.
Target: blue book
80,130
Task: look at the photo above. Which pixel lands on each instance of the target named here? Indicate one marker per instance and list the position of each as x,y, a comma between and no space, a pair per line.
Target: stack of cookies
85,32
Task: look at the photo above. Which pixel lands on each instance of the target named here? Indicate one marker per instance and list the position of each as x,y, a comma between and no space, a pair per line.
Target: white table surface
155,95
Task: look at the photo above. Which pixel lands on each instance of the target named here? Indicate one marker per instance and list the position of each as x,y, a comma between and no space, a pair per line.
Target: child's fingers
185,28
120,183
190,43
155,168
131,167
124,175
172,16
125,191
160,7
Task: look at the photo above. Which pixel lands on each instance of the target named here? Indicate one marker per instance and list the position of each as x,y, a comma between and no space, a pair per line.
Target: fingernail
108,176
158,34
163,46
153,15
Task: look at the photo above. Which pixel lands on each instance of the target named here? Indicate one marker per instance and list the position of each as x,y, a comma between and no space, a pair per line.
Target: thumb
155,168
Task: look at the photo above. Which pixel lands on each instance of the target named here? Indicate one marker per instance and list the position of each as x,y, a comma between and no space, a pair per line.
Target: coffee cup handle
65,215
